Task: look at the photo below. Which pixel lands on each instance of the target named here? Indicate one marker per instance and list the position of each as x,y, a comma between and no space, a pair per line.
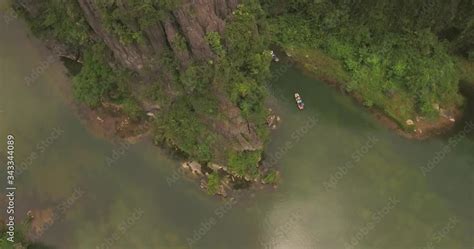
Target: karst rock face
192,19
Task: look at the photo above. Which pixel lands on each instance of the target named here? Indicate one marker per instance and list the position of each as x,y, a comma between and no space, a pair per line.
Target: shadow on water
467,90
453,178
73,67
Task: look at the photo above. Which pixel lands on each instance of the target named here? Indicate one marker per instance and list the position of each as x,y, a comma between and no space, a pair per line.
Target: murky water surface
347,181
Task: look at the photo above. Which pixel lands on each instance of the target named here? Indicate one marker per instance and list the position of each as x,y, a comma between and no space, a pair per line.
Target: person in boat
274,57
299,101
300,104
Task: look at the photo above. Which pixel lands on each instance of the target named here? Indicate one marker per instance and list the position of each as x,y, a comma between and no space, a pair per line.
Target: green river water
347,182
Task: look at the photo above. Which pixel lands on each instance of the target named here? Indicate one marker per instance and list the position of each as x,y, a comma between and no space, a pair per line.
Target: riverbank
467,70
317,64
109,122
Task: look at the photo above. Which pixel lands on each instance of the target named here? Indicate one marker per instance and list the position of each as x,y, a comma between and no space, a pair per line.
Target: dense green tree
61,19
213,183
96,78
398,52
244,163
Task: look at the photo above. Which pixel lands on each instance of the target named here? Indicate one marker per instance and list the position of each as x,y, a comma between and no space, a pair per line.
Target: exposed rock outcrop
131,56
191,21
194,167
165,52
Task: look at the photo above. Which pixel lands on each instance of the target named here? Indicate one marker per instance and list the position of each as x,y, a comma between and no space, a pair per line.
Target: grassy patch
244,163
213,183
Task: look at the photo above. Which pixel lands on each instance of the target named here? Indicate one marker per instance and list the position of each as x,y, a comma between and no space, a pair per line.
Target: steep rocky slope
196,66
191,19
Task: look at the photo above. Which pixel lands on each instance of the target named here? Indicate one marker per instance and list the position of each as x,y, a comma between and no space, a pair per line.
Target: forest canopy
399,54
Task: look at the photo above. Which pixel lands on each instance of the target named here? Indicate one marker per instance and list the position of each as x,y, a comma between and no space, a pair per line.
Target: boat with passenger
299,101
274,57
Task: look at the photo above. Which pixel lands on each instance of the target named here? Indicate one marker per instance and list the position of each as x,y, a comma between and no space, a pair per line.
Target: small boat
299,101
274,57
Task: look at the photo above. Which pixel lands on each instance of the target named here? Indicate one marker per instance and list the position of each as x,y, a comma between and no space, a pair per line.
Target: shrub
213,183
271,177
214,41
244,163
180,127
97,81
132,108
61,19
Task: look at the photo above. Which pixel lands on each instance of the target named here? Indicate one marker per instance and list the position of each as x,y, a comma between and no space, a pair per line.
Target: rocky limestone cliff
190,20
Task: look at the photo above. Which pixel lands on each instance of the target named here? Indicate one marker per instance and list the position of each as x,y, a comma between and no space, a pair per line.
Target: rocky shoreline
161,76
229,183
107,121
